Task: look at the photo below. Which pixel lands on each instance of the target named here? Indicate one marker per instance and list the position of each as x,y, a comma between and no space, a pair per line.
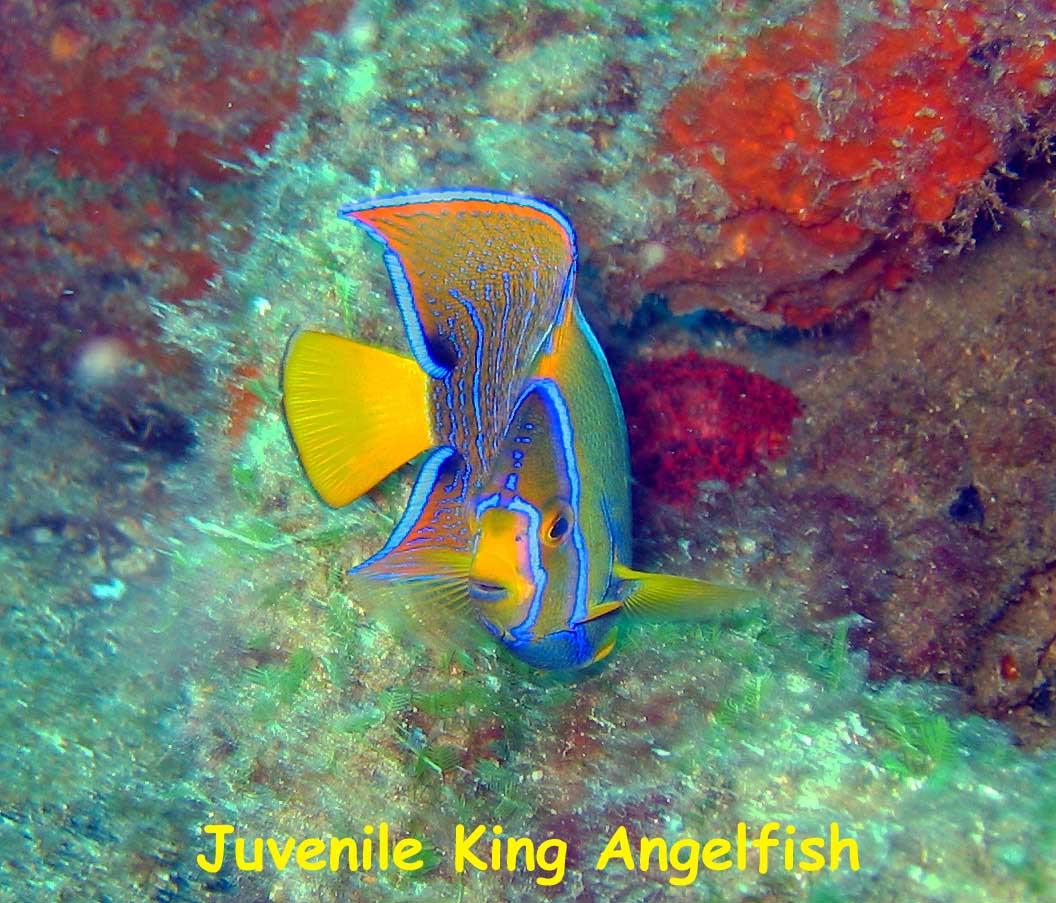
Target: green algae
496,794
749,693
280,683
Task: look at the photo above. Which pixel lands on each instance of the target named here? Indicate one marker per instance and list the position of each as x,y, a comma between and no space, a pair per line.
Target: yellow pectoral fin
663,597
355,412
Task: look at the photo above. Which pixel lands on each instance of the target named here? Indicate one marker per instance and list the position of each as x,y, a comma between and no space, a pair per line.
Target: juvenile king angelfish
520,515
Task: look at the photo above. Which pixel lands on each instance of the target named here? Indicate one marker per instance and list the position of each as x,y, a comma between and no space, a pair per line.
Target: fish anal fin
356,413
665,597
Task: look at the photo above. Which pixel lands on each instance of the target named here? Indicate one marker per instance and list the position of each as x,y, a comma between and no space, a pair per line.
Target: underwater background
818,244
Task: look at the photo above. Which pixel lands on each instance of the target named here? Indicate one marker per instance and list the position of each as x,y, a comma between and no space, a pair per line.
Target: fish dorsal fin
356,413
480,278
664,597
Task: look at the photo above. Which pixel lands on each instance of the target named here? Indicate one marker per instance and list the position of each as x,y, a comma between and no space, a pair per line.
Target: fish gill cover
179,644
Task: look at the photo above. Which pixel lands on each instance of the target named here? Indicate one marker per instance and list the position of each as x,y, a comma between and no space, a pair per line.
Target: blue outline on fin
606,369
489,196
424,485
412,323
401,285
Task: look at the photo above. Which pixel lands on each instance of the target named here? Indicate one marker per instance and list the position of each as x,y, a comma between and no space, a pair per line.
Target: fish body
520,516
563,464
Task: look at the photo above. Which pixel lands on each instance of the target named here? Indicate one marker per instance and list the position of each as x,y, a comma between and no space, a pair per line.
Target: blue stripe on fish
555,401
535,559
478,360
412,323
428,477
484,504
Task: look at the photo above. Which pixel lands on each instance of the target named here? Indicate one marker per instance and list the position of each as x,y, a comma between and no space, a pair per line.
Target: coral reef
119,85
177,639
691,419
1015,671
844,150
114,115
915,493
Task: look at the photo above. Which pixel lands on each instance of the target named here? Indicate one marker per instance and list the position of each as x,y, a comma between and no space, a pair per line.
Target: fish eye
560,525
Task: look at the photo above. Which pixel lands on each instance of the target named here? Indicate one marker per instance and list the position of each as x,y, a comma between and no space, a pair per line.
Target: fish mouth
482,591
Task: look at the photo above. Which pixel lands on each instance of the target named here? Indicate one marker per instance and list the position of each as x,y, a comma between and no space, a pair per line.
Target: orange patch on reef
66,44
166,89
843,127
1033,68
889,116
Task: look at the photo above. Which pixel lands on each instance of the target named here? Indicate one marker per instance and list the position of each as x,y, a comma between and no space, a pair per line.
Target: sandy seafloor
178,646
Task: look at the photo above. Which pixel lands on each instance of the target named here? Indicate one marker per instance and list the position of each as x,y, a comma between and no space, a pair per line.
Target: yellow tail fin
356,413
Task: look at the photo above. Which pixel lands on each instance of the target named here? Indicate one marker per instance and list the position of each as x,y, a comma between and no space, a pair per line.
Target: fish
519,518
